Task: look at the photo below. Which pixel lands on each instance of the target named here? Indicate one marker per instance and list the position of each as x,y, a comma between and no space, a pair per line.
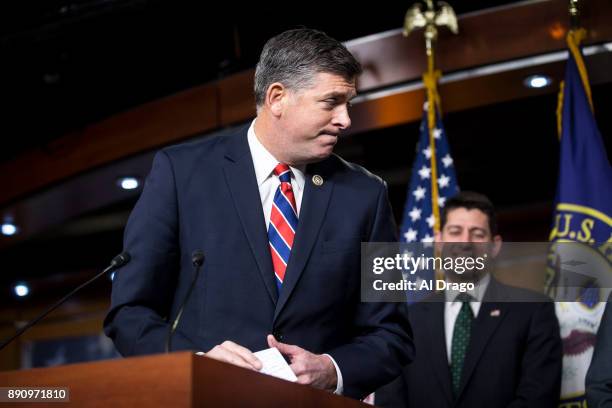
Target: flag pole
574,38
430,19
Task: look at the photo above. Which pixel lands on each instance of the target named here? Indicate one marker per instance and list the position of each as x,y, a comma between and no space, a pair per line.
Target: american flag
418,223
418,220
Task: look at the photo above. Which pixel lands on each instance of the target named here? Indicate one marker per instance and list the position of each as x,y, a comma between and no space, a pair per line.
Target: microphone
116,263
197,260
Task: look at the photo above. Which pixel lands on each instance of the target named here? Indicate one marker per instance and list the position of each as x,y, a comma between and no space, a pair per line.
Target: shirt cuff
339,383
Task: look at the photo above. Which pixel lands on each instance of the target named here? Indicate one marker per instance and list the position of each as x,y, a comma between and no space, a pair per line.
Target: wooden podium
179,379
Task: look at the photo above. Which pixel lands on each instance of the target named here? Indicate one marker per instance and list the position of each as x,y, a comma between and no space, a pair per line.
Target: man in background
480,348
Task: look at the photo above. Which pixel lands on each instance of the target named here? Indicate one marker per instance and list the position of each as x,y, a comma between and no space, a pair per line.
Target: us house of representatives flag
583,211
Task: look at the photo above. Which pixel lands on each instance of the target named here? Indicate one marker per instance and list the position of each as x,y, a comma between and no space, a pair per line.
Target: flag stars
424,172
447,160
419,221
427,239
408,253
431,221
443,181
410,235
419,193
415,214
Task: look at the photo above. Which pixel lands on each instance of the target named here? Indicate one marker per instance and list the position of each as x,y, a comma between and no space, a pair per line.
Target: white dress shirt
268,183
452,307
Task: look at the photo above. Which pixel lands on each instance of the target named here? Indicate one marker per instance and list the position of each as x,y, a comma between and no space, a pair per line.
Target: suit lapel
315,200
242,183
439,359
490,315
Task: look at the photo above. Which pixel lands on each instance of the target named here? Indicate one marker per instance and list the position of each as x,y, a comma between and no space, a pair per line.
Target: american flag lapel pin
495,313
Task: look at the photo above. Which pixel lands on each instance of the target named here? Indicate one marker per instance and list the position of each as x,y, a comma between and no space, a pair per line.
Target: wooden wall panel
146,127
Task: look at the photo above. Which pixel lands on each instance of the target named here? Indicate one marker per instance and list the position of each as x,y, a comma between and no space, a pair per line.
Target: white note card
275,365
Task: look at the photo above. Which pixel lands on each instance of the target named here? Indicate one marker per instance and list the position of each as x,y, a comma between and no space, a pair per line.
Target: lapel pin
495,313
317,180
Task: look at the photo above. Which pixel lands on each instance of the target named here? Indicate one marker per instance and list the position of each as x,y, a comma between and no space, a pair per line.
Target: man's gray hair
294,57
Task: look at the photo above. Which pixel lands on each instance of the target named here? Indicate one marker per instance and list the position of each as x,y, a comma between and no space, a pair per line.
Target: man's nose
342,118
467,246
466,240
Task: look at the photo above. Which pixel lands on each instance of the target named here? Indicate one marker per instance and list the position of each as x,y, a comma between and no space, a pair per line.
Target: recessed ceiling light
128,183
537,81
9,229
21,289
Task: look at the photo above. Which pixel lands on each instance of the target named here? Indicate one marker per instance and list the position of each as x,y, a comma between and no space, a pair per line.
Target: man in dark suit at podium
280,220
495,346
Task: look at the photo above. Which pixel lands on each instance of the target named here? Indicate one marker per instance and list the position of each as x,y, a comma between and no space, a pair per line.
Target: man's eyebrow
453,226
478,229
335,94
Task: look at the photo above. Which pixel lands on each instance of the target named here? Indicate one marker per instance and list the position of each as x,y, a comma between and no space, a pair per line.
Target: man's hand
235,354
313,369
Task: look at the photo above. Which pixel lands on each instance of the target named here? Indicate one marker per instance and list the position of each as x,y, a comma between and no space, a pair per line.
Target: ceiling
69,63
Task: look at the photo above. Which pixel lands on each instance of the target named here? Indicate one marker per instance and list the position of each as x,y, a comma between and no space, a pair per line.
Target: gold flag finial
430,19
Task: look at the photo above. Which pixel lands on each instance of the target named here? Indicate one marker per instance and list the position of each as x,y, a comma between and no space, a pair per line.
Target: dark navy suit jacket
204,195
599,376
513,359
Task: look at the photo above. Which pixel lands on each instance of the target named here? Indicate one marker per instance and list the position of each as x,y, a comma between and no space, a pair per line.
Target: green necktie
461,339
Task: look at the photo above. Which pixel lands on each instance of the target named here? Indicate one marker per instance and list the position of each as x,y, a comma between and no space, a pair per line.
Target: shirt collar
264,162
477,294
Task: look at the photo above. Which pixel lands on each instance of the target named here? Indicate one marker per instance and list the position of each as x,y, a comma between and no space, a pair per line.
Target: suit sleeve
383,344
393,395
540,377
143,289
599,376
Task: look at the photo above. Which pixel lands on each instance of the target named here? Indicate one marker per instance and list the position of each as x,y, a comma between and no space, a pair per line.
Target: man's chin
465,277
313,158
325,152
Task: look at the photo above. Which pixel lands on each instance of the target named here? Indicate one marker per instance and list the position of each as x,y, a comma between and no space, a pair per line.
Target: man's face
313,118
463,225
467,234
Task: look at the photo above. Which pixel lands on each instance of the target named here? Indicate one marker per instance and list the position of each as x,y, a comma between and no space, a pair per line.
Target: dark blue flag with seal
582,214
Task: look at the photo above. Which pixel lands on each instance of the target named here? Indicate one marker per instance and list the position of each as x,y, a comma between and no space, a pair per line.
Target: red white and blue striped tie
283,223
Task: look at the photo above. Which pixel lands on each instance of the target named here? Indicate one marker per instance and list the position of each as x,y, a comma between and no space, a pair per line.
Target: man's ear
275,98
497,245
